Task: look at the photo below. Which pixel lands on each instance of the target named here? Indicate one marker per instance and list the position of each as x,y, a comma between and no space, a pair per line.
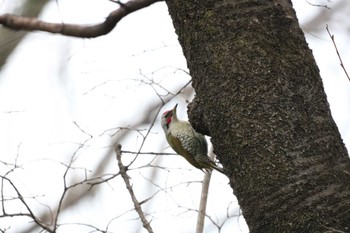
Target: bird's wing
202,148
180,144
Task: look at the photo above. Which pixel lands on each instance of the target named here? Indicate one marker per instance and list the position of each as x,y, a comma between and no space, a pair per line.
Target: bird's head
168,117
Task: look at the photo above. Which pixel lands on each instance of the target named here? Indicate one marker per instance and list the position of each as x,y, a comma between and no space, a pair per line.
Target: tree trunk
260,97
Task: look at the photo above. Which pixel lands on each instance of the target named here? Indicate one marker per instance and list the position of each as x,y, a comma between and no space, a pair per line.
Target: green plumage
187,142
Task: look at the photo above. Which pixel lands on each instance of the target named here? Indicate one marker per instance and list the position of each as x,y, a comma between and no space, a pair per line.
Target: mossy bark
260,97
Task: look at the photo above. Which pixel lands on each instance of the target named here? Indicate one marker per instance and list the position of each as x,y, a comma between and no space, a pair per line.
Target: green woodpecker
187,142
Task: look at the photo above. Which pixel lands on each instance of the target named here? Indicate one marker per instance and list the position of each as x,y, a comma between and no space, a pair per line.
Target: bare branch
336,49
30,212
101,180
83,131
146,153
137,205
318,5
83,31
203,203
204,198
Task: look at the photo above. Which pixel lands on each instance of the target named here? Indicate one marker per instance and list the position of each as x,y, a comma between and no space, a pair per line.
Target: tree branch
204,197
30,212
336,50
203,203
137,204
75,30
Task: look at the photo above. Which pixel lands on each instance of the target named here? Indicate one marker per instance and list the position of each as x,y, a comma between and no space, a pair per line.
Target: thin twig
336,49
318,5
137,205
146,153
30,212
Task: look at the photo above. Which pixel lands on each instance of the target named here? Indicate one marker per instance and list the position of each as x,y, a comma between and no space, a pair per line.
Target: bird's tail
219,169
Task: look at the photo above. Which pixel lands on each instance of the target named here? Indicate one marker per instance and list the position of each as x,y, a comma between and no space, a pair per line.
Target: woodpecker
187,142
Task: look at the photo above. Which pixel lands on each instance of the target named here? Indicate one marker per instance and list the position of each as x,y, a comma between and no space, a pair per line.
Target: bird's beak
174,109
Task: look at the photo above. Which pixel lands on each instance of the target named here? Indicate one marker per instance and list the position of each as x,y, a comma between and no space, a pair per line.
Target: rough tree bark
260,97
